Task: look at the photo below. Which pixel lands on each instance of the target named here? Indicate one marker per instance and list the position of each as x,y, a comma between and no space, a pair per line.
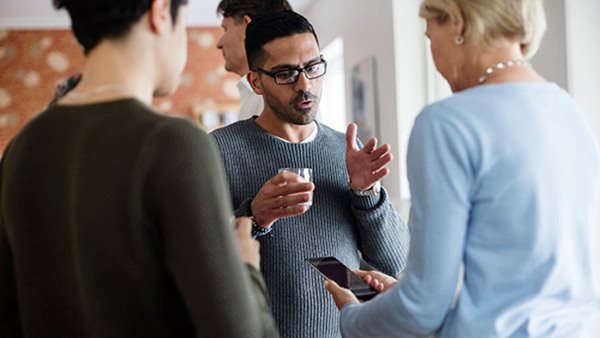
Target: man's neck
242,72
293,133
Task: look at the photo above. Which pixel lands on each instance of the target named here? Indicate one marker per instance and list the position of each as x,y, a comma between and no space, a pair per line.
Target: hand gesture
280,197
367,165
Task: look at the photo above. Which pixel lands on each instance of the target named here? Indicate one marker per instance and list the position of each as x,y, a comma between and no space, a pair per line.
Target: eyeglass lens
290,76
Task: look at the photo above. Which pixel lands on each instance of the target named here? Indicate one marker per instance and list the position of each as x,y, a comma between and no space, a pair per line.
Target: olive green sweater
115,222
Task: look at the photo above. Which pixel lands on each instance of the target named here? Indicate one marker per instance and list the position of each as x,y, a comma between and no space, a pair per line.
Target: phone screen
332,268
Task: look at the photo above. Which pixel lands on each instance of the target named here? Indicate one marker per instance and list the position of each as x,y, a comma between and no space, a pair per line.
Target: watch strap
257,230
373,191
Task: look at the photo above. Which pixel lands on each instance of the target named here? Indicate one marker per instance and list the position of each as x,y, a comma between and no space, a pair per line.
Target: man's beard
300,116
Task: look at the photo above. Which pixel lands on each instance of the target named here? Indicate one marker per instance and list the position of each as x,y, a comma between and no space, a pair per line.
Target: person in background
350,211
504,177
236,16
115,219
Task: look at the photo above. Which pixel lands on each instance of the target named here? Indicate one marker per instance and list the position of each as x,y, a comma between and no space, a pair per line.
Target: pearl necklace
112,87
499,66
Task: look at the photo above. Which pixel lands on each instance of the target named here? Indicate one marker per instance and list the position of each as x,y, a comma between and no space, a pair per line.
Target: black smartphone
332,268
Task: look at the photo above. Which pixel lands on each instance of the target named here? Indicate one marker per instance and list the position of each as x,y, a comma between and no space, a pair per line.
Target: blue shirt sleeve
440,176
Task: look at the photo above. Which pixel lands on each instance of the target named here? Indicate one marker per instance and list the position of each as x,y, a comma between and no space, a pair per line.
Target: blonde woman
504,176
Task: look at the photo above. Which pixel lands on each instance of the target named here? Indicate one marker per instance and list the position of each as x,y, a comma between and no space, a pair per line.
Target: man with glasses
350,213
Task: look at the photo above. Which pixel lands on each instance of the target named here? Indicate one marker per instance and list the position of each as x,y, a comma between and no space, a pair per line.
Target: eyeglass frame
300,70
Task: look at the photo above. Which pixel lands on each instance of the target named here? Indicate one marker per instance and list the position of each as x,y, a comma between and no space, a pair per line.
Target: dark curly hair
94,20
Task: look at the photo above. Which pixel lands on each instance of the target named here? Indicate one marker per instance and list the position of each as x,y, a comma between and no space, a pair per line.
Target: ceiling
39,14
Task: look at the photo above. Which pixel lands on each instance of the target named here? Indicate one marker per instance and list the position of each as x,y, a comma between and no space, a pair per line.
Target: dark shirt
115,222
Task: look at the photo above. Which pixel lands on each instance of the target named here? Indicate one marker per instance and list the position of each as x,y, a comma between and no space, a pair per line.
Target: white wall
392,32
40,14
414,82
551,59
583,50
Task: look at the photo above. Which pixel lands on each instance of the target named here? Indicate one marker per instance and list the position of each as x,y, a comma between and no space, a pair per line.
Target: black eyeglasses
291,75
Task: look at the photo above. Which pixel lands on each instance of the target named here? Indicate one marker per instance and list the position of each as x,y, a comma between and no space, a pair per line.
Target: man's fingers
292,188
351,137
370,146
291,200
383,150
381,162
290,211
380,174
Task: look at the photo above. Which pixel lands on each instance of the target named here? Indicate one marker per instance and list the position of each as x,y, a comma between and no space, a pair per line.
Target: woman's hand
249,248
341,296
377,280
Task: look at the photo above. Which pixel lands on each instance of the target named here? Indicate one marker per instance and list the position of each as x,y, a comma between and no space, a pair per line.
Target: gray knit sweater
339,223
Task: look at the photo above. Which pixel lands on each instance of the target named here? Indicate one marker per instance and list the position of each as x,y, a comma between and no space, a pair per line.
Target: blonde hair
486,22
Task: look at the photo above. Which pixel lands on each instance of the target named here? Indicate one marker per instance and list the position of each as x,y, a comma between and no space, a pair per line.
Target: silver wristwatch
373,191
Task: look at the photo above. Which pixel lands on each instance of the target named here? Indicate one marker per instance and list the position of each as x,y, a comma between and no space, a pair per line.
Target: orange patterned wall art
33,62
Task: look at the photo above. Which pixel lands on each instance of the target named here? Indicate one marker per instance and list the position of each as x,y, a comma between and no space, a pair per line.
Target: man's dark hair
268,27
95,20
236,9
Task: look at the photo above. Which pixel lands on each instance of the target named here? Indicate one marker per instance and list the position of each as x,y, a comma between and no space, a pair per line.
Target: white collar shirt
250,103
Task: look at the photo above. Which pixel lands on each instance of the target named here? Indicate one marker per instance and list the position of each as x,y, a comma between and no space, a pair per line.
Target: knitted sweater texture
115,223
338,223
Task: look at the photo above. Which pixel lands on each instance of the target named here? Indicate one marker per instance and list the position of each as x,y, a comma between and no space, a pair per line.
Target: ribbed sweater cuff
244,209
368,202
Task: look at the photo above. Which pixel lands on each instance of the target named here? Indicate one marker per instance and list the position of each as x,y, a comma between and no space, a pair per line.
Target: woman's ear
458,19
254,81
160,16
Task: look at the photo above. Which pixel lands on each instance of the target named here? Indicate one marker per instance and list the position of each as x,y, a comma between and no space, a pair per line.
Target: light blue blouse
504,179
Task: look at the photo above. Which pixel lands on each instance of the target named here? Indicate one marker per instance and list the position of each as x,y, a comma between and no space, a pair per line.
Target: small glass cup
305,173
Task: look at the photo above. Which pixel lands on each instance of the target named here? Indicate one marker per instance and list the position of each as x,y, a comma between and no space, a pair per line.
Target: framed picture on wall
364,99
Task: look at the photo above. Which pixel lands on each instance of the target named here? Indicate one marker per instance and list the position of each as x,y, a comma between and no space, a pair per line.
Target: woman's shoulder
487,98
